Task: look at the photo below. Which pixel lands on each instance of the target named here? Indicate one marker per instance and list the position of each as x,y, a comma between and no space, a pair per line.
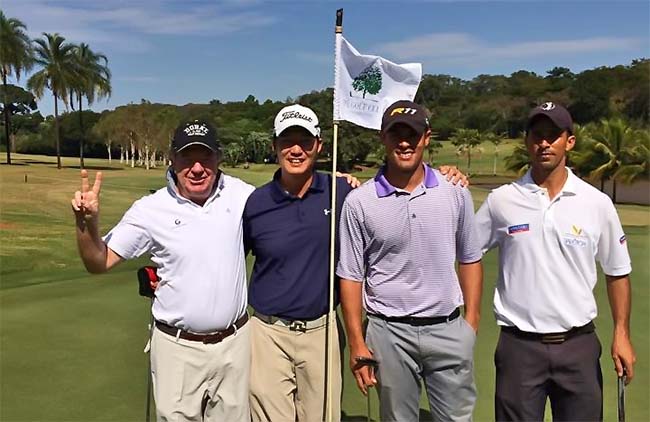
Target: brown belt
551,338
210,338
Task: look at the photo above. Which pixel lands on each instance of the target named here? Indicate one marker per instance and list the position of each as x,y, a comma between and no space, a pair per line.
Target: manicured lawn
71,344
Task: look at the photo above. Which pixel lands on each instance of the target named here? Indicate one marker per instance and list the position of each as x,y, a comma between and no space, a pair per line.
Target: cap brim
419,128
211,148
545,114
314,131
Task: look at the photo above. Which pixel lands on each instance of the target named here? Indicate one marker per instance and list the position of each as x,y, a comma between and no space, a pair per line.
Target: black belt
420,320
210,338
551,338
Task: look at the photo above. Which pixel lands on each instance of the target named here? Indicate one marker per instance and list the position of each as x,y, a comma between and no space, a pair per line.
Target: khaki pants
288,371
193,381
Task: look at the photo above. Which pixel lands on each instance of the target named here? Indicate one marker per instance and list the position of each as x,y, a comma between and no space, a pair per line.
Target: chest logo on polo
327,211
519,228
576,237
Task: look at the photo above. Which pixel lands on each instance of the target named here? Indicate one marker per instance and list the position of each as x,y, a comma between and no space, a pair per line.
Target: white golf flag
364,85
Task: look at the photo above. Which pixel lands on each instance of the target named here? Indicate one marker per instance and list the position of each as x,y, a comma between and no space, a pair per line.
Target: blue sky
182,52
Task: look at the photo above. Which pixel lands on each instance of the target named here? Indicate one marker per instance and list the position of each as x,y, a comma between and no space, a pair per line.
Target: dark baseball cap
559,116
196,132
406,112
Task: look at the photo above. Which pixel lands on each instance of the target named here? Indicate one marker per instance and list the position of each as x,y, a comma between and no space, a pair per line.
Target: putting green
71,344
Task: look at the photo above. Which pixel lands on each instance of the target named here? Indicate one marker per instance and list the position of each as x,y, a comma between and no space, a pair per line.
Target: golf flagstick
331,320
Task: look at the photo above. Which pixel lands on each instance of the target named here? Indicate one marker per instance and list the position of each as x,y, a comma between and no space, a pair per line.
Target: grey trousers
528,372
440,354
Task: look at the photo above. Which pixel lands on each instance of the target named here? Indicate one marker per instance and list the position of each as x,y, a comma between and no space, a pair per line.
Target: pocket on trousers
468,327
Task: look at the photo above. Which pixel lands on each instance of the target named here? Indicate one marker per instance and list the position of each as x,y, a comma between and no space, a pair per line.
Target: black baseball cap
196,132
559,116
406,112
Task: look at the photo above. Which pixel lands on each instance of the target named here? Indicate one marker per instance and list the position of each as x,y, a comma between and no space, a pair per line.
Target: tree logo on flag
368,81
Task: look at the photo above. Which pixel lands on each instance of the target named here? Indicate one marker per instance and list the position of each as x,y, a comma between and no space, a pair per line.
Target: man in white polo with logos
200,349
549,226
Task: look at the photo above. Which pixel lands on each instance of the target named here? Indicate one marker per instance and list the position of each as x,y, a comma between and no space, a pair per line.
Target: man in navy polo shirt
402,234
286,227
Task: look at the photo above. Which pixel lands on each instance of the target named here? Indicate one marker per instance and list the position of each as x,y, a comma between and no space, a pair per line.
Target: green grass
71,344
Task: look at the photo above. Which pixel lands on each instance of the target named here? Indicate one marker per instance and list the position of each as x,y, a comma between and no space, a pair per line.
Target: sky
193,51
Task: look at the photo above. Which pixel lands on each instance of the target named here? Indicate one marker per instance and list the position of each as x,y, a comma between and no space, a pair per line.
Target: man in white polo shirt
549,226
200,349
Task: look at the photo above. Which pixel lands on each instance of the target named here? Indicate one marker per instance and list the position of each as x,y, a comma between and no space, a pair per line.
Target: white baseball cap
296,115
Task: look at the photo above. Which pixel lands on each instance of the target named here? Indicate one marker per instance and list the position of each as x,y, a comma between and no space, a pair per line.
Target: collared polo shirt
404,246
290,239
198,251
547,252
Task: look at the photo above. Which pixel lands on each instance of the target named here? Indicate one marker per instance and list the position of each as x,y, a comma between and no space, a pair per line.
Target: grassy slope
70,344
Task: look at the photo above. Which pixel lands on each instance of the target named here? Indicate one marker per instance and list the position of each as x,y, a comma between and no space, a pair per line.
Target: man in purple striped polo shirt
401,235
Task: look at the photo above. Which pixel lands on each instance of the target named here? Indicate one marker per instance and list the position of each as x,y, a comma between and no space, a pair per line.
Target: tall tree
16,56
495,140
57,74
93,80
466,140
17,101
619,143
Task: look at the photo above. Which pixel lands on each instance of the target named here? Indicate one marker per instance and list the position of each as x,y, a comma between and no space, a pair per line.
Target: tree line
487,108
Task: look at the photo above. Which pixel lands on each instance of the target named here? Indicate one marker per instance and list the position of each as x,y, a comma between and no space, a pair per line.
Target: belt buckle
557,338
298,326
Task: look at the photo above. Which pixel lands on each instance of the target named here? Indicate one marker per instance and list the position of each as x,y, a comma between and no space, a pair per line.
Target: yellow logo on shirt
575,230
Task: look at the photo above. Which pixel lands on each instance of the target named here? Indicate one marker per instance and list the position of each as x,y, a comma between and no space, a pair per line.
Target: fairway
71,344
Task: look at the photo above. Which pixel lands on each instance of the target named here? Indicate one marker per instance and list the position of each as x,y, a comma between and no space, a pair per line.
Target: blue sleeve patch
519,228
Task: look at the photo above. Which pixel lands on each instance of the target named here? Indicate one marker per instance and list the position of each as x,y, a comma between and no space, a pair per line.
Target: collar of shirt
173,190
384,188
569,185
279,194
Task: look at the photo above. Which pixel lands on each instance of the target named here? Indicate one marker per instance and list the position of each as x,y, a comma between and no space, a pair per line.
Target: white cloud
124,25
462,48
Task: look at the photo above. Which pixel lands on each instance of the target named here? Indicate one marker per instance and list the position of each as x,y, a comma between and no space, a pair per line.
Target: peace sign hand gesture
85,203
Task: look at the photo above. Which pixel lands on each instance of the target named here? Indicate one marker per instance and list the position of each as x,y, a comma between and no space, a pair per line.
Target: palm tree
519,160
16,56
623,152
58,73
93,80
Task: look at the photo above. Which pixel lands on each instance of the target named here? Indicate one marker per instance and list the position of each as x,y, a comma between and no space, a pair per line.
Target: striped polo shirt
404,245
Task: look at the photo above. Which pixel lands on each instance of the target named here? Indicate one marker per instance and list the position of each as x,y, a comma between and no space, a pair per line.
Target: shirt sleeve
130,237
467,243
351,265
485,227
246,224
467,249
612,251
